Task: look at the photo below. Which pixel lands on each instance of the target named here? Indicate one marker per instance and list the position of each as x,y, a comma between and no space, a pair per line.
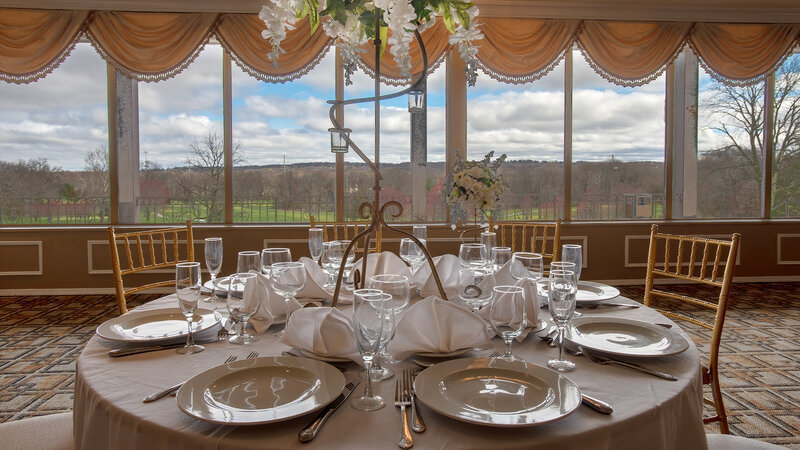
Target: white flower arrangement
352,22
474,186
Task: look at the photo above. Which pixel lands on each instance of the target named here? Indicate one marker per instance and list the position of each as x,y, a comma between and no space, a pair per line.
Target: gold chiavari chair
148,250
530,237
710,254
346,231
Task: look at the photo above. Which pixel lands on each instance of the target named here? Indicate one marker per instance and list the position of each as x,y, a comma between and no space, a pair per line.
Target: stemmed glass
411,253
378,372
527,265
475,287
213,252
573,253
489,239
420,232
398,288
507,315
368,322
315,241
242,306
187,287
561,291
248,262
500,256
287,279
328,264
565,265
473,255
270,256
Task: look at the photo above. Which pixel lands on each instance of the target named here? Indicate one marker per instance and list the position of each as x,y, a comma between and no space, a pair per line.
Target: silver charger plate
155,325
624,337
260,390
589,292
497,393
222,286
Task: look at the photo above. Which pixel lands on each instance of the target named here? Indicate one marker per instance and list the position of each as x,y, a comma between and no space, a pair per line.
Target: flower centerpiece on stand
474,188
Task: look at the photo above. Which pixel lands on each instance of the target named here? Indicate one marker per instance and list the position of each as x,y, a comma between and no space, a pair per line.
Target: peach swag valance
156,46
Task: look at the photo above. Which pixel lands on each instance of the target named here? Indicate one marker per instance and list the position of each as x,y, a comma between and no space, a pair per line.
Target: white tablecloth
648,412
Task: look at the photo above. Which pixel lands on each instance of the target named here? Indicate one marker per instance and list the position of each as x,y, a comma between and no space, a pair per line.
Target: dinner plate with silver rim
330,359
261,390
589,292
458,352
222,286
155,325
624,337
497,393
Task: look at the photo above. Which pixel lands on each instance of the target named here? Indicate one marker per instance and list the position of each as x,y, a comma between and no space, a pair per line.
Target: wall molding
780,260
38,244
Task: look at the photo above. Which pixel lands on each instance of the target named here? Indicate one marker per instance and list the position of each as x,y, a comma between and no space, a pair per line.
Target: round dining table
649,412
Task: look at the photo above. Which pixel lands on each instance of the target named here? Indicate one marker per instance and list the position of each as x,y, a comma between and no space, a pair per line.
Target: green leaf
384,38
463,17
300,13
448,19
314,18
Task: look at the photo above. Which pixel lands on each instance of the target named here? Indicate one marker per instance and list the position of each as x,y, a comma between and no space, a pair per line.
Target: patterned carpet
41,336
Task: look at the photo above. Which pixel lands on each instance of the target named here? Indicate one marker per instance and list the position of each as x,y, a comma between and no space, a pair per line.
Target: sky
64,116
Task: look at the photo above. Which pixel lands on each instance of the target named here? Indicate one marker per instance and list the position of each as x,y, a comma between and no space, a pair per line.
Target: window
54,145
525,122
284,170
786,141
618,147
181,174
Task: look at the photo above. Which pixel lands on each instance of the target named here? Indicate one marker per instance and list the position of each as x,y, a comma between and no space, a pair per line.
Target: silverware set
402,400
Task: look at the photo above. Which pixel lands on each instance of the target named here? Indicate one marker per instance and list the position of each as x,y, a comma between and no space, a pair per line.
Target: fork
251,355
401,401
174,389
417,425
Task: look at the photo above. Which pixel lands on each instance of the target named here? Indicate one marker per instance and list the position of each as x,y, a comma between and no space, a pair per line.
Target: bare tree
207,191
738,113
95,180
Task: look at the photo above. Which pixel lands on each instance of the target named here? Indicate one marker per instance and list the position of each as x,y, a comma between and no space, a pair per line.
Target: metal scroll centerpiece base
374,210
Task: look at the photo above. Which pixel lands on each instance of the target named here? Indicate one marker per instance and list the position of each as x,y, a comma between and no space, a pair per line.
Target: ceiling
752,11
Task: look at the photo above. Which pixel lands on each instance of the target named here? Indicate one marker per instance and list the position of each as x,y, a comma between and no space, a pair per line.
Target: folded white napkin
271,304
382,263
324,331
531,303
447,266
433,325
315,280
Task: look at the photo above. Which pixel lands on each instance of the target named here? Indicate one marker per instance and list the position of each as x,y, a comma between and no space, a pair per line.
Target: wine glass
500,256
351,257
420,232
368,323
213,252
412,253
242,304
395,285
473,255
328,264
187,287
287,279
270,256
475,287
378,372
561,293
489,239
315,241
507,315
564,265
573,253
248,261
527,265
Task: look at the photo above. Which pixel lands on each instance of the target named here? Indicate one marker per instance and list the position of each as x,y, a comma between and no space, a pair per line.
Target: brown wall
75,260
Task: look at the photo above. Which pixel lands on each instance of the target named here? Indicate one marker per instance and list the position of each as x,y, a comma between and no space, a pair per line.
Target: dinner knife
596,404
310,432
643,369
136,350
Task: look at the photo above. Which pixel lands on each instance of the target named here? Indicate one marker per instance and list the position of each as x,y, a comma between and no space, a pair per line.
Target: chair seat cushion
53,432
730,442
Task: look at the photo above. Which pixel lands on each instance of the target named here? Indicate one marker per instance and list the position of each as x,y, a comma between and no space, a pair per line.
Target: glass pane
416,182
285,171
54,145
618,147
729,146
525,122
181,174
786,144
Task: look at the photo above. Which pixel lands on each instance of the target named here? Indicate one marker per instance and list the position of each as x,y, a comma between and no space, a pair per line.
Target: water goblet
561,290
507,316
368,323
248,262
242,304
270,256
473,255
500,256
187,287
395,285
573,253
351,257
378,372
489,239
475,287
328,264
213,252
420,232
315,240
526,265
412,253
287,279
